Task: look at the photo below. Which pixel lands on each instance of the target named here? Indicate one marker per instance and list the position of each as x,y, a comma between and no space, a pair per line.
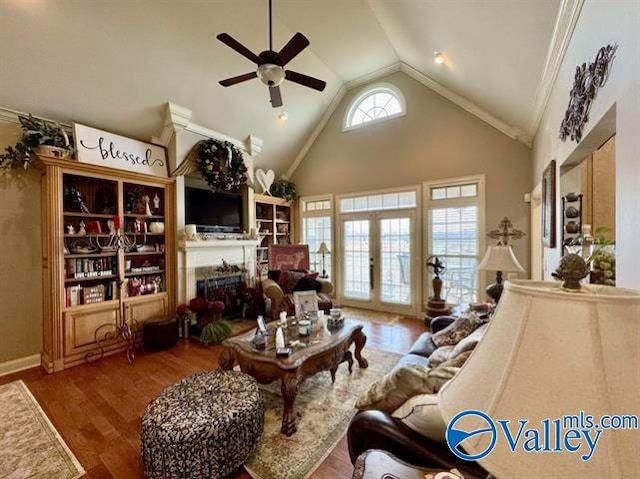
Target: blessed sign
114,151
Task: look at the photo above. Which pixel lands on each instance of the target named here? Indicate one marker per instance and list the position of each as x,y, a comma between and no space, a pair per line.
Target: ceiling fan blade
305,80
276,97
297,43
239,47
238,79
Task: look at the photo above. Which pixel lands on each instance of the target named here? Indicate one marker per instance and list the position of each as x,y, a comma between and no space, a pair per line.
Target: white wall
603,22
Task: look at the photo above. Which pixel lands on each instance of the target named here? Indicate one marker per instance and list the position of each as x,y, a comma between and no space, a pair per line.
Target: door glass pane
395,260
356,259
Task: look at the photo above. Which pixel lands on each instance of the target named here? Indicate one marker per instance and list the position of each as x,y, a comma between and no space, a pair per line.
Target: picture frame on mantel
549,205
103,148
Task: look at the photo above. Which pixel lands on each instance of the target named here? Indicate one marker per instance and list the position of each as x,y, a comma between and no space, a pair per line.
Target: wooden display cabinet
93,280
275,220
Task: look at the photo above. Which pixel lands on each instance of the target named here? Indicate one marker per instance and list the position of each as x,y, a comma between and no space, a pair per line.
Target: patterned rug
370,316
30,447
324,410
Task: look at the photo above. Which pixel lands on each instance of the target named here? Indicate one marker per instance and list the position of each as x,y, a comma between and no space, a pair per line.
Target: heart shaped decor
265,180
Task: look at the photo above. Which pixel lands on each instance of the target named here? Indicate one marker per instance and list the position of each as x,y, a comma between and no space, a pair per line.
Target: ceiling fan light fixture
270,74
438,58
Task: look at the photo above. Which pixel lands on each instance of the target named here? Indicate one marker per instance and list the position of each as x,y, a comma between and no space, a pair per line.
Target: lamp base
494,291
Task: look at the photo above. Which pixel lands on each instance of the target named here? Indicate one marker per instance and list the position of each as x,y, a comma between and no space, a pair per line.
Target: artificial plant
35,133
284,189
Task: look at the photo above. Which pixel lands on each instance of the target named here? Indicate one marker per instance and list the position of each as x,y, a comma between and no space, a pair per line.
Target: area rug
371,316
324,410
30,447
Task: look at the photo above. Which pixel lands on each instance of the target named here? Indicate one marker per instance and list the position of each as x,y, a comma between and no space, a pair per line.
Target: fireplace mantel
211,253
191,245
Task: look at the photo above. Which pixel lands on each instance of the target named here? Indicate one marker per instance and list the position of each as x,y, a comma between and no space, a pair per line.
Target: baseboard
19,364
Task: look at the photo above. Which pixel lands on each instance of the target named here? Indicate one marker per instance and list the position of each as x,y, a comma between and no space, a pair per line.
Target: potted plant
39,137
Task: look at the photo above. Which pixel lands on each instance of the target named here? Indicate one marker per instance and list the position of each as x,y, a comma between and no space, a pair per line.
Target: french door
377,261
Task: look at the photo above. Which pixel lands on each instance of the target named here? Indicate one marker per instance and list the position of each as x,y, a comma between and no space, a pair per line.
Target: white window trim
428,203
368,90
309,214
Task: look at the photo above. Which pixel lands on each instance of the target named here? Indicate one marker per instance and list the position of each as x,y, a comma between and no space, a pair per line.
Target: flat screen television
213,212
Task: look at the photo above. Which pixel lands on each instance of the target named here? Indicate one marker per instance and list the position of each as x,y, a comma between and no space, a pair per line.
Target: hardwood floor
97,408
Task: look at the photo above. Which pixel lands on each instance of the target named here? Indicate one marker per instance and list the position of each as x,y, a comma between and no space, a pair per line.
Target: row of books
90,267
76,295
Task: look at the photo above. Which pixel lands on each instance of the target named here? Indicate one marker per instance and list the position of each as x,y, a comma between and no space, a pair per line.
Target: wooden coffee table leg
360,339
289,389
226,359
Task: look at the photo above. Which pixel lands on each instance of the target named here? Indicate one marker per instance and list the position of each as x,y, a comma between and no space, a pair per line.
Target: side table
376,464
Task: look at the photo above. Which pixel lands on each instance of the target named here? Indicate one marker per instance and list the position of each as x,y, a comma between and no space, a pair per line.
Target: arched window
377,103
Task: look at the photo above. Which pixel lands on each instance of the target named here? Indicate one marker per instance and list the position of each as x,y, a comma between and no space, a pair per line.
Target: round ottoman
203,427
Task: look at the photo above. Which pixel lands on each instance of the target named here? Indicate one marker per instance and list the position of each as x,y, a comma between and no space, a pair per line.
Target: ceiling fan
271,64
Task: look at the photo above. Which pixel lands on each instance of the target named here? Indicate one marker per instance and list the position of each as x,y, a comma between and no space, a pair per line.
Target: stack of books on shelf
90,267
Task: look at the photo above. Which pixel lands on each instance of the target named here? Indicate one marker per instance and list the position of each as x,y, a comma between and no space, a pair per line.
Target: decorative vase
156,227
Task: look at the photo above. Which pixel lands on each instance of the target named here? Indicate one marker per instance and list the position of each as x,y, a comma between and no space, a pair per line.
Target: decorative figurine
147,209
82,231
71,230
571,270
156,202
112,227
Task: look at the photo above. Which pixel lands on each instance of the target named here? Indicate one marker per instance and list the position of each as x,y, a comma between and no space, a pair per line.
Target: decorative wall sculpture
588,78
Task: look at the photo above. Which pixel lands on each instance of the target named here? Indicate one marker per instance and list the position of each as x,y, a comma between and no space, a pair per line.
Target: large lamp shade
500,258
548,353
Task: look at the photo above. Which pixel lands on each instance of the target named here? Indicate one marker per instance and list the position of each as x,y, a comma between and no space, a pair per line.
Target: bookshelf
107,235
275,222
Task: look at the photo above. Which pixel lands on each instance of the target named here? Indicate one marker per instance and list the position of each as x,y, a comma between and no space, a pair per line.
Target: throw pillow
470,342
422,414
459,329
289,279
390,392
440,355
308,283
458,361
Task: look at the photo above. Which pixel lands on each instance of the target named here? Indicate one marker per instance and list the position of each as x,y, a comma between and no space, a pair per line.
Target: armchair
290,258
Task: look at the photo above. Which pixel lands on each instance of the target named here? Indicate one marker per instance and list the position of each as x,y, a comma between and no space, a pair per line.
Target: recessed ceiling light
438,58
283,116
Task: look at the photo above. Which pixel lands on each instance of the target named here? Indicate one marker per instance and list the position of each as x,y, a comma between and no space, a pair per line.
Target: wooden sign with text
102,148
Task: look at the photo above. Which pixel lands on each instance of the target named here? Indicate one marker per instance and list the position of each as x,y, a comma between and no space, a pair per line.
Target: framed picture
305,302
549,205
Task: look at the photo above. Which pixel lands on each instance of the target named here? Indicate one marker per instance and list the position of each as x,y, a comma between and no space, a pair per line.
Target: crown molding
11,116
509,130
568,14
316,131
374,75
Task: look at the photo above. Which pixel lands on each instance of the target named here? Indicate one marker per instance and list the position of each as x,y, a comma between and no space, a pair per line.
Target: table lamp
499,259
323,249
549,352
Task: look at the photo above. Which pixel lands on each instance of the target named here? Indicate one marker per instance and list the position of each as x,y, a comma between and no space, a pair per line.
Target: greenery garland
284,189
221,165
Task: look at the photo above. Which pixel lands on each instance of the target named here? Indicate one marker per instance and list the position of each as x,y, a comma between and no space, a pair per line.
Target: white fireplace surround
199,254
179,133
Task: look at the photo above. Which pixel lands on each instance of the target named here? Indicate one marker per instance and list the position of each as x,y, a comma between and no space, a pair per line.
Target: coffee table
323,350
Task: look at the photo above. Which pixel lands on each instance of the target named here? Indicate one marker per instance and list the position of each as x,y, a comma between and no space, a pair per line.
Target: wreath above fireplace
221,164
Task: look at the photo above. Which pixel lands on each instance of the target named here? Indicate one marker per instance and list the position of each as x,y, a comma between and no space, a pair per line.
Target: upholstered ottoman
202,427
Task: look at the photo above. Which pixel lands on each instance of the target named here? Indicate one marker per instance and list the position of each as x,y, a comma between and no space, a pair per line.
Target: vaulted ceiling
114,64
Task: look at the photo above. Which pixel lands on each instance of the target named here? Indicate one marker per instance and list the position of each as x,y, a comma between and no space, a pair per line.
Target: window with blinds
453,236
